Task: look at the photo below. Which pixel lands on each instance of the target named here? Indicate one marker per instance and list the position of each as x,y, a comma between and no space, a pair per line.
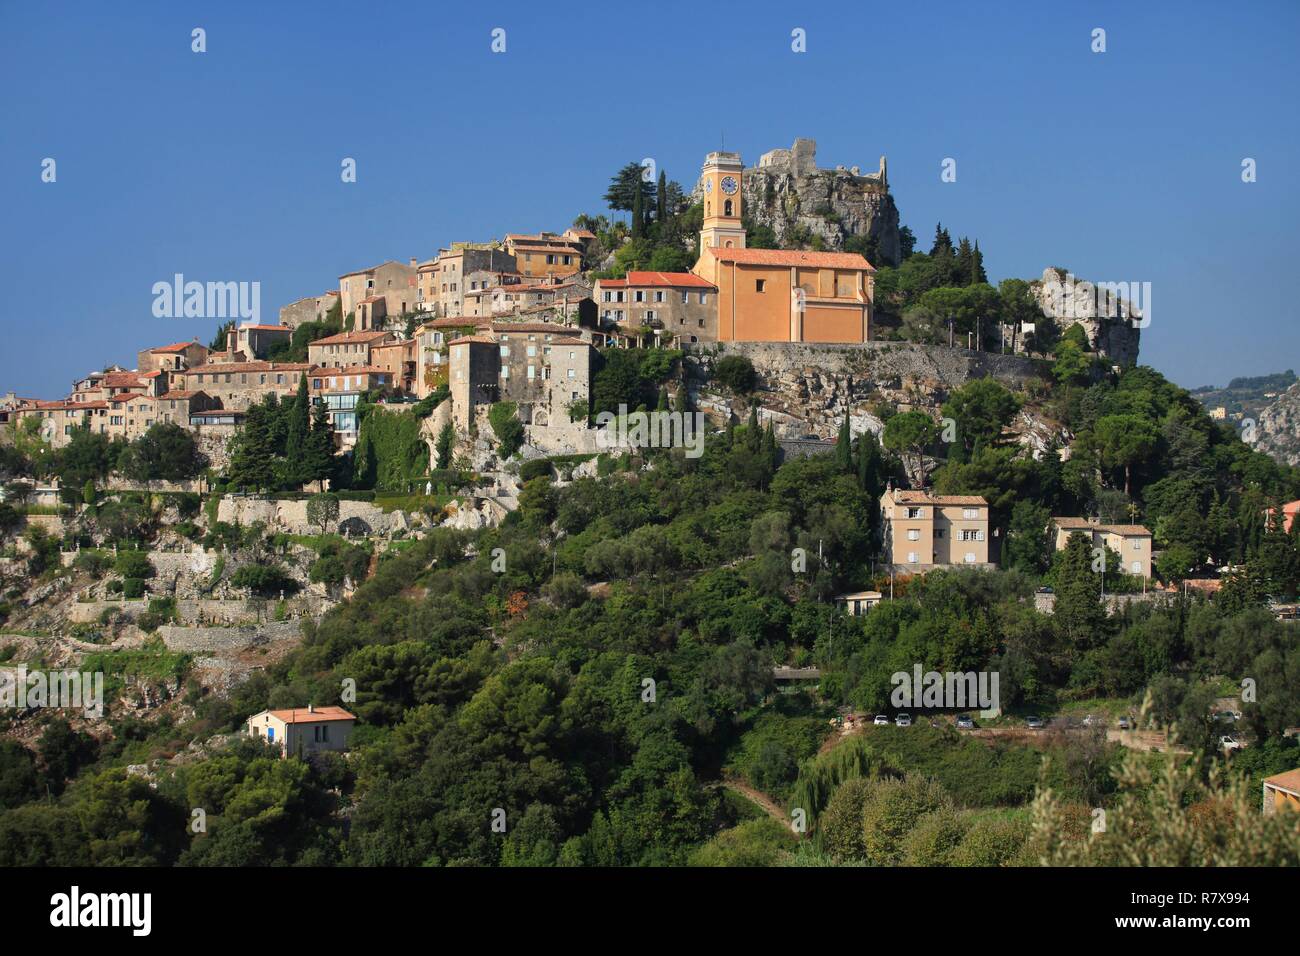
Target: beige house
237,385
303,731
1282,792
858,602
545,254
178,355
464,267
1132,542
923,530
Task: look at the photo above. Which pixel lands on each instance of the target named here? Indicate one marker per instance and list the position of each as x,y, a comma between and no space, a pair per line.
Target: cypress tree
754,433
252,459
318,457
844,444
295,439
638,215
661,210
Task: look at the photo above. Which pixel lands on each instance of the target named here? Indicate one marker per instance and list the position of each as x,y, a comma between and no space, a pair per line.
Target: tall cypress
661,206
638,215
295,439
844,444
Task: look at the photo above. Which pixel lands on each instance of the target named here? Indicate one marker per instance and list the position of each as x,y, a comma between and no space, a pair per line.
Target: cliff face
787,192
1277,433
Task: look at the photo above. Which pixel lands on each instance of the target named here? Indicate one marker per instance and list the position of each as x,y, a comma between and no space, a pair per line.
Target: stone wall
207,640
291,516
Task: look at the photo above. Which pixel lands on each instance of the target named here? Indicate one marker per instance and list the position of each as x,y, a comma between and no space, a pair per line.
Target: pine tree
965,260
942,241
252,459
446,444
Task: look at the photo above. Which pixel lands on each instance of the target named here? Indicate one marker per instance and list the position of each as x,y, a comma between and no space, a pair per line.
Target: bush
95,563
892,810
736,372
536,468
132,588
133,564
507,427
264,579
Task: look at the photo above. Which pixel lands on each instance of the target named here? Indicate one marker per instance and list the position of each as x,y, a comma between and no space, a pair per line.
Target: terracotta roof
673,280
268,328
791,257
325,370
1288,780
299,715
174,347
477,339
116,379
925,498
349,338
584,233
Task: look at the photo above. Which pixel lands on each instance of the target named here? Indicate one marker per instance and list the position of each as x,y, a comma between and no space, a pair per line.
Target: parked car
1125,723
881,720
1231,742
964,722
903,720
1034,723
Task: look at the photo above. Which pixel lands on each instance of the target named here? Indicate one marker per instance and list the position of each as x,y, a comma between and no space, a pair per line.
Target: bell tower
722,175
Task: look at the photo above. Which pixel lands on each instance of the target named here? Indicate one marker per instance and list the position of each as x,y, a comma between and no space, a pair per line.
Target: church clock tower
722,202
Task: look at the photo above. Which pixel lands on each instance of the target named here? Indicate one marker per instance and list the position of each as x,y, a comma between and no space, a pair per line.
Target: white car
903,720
965,722
1231,742
881,720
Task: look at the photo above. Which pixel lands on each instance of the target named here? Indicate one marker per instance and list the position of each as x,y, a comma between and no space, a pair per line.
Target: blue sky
225,165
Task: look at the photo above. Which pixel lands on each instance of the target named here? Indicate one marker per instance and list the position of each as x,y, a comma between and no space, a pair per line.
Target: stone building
538,366
393,280
256,341
347,348
444,281
545,254
172,357
237,385
674,306
314,308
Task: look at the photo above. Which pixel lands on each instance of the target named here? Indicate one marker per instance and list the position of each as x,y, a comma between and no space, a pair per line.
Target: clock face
729,184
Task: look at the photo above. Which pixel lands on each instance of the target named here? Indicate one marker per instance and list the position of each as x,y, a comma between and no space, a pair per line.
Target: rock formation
1113,322
787,192
1277,433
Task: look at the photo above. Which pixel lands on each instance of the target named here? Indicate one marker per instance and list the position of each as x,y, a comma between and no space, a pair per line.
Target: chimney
414,263
311,708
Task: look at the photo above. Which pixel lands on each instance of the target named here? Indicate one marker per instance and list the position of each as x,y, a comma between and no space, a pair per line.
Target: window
532,371
659,296
970,513
915,513
640,295
911,557
970,557
505,371
704,298
913,534
686,298
759,284
532,350
1136,567
572,374
1137,544
505,351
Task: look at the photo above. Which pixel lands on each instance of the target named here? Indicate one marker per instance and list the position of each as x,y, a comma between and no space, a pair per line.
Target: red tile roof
675,280
791,257
268,328
300,715
174,347
925,498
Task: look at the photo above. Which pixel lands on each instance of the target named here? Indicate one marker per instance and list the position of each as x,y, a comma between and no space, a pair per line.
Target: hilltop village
340,579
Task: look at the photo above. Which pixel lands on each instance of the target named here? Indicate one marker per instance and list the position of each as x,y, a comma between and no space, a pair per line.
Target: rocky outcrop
787,192
1277,433
1107,312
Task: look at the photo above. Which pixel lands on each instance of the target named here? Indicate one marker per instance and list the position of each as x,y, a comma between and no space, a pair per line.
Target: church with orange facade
775,295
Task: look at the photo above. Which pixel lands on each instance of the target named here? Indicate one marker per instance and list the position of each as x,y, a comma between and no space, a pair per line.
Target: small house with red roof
303,731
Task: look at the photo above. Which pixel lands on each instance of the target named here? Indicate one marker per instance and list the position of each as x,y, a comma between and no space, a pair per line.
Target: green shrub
264,579
133,564
507,427
736,372
132,588
535,468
